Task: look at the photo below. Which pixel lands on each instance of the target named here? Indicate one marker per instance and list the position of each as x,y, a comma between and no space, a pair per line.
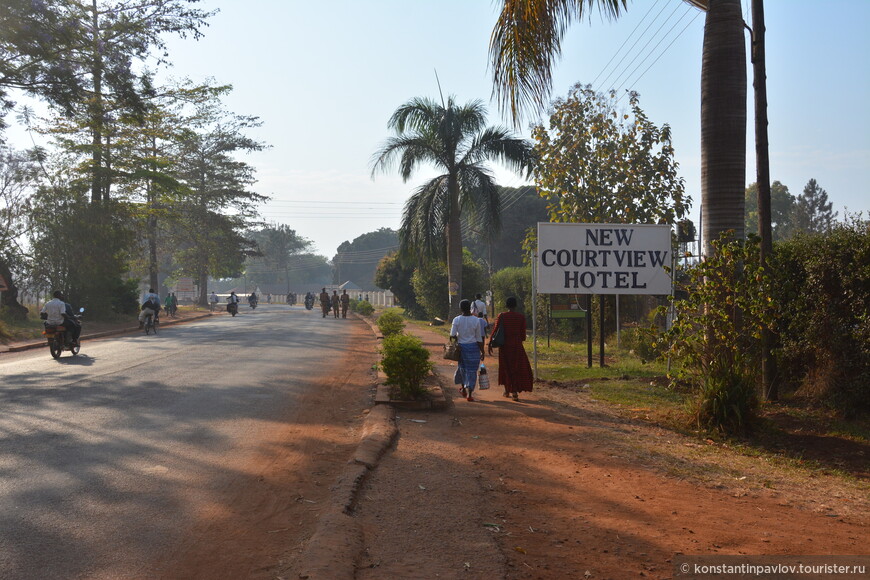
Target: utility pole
762,163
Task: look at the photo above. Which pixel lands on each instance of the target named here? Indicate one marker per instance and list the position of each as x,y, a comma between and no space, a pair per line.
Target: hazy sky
325,77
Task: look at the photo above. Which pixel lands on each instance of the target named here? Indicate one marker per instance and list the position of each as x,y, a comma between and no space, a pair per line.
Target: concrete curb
18,347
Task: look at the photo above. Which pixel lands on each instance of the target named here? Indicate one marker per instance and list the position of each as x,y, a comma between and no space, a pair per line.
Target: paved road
104,457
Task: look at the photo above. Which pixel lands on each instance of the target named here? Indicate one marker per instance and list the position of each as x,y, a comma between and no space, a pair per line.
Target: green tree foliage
597,164
812,213
210,238
395,274
83,249
279,247
717,332
104,56
782,204
357,261
430,284
456,140
822,281
514,281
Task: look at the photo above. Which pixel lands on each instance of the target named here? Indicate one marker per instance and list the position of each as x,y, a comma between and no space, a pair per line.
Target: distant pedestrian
467,331
478,307
345,302
514,370
336,302
324,302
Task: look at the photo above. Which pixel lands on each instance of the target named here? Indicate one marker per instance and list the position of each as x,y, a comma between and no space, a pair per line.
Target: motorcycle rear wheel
55,348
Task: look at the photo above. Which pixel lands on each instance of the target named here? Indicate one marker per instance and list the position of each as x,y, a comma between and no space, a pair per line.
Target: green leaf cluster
406,363
600,164
716,332
390,322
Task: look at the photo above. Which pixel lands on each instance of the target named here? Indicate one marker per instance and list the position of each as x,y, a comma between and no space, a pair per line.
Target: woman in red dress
514,370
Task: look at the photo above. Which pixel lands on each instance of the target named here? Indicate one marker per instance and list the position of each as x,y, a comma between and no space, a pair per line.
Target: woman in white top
467,331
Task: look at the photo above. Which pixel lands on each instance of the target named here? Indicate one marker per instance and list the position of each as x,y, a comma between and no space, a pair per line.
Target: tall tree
215,205
598,164
527,39
17,183
455,140
812,213
781,209
87,57
279,246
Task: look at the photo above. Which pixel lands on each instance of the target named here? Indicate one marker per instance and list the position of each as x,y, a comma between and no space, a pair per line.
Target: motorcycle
253,304
60,338
309,302
233,308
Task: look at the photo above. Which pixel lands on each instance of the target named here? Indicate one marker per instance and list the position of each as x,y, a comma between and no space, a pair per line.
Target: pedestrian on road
514,370
345,302
324,302
467,331
336,303
478,307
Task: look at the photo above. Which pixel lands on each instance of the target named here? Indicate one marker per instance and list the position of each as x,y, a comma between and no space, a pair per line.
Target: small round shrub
406,363
362,307
390,323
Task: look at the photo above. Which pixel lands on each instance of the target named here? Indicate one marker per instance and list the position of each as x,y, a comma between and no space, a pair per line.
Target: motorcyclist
57,311
150,306
252,299
232,299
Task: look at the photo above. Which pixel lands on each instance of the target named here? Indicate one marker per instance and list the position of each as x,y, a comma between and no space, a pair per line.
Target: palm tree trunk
723,122
454,249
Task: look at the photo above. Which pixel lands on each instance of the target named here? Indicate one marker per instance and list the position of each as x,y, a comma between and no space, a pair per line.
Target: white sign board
603,258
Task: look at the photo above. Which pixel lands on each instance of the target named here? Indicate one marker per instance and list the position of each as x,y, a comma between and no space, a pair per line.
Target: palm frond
424,221
479,199
525,43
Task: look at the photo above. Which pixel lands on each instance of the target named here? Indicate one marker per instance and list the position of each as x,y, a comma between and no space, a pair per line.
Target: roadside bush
391,322
430,285
824,328
717,331
516,281
406,363
645,343
361,307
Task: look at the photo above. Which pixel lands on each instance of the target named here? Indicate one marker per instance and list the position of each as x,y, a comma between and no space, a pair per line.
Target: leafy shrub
643,342
822,281
430,285
362,307
717,331
406,363
391,322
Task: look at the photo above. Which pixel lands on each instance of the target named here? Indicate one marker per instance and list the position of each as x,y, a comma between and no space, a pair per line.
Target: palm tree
455,140
527,39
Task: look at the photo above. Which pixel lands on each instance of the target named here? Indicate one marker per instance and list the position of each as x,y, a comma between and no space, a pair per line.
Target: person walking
478,307
514,370
324,302
466,329
345,302
336,303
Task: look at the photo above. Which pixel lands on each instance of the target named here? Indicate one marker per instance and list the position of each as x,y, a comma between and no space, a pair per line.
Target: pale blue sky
325,77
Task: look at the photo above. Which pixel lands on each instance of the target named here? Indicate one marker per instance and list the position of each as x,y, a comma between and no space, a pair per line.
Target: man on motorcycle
252,300
150,306
57,311
232,301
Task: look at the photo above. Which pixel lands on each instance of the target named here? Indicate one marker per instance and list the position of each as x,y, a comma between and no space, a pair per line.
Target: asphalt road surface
106,457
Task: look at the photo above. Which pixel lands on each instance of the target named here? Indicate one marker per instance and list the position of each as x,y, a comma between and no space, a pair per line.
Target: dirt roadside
555,486
541,489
